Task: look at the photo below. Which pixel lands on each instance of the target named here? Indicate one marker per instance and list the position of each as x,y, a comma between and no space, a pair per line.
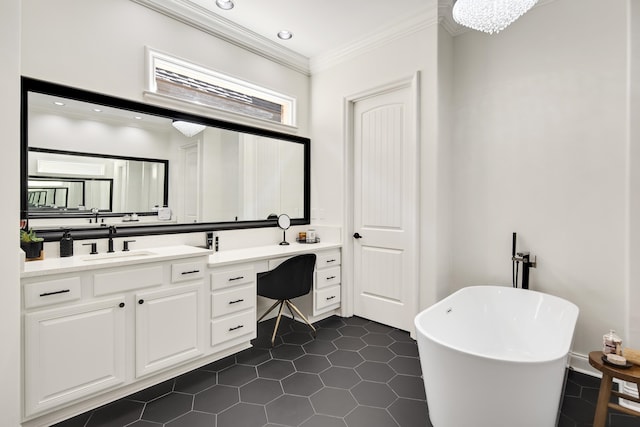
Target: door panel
168,327
385,208
72,352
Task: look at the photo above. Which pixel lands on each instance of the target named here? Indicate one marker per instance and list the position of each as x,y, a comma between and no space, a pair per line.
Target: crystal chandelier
490,16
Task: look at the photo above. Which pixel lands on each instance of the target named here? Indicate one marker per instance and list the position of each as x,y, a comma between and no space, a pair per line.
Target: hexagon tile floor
355,373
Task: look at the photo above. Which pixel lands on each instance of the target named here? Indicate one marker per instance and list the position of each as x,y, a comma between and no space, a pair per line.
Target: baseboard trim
580,363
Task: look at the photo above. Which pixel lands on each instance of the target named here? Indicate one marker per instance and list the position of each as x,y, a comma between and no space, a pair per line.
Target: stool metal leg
604,395
275,330
269,311
291,306
293,317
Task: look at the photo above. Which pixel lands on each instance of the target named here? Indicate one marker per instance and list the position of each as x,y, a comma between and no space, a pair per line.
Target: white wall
445,165
633,301
99,46
540,148
10,354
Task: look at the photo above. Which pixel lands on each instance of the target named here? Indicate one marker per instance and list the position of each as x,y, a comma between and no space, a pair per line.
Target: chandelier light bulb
490,16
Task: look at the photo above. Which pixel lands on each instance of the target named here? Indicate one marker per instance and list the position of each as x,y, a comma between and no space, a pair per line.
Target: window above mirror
176,78
135,161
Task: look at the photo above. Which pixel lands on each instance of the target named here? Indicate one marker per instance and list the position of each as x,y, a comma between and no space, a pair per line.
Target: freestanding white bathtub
495,356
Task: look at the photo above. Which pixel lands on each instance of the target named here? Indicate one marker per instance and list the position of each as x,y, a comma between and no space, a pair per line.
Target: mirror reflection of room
99,155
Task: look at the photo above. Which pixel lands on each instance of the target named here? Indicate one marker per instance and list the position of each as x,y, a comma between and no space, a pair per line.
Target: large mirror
91,158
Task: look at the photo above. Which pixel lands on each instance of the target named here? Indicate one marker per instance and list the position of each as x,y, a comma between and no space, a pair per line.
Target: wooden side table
609,372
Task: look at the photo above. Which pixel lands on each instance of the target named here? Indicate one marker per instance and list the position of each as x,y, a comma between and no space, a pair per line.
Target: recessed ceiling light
59,103
285,35
225,4
138,117
97,110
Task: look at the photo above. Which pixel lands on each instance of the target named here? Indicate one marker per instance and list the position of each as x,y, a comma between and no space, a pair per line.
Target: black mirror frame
33,85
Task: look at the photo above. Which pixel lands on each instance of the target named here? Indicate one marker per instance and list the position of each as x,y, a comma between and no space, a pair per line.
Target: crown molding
445,18
374,40
204,20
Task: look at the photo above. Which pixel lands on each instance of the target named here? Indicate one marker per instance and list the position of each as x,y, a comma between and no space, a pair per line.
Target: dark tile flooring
355,373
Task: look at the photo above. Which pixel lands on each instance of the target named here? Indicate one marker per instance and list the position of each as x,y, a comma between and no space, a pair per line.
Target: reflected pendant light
489,16
188,129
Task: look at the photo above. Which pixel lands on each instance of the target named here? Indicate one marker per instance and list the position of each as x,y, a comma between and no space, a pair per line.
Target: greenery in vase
29,236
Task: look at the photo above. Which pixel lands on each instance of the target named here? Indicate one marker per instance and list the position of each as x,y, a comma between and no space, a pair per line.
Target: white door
191,187
385,207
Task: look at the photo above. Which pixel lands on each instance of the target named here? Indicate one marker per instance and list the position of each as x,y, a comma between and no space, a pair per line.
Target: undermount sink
116,255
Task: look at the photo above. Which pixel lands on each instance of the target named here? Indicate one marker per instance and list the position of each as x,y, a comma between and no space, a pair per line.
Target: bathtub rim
561,354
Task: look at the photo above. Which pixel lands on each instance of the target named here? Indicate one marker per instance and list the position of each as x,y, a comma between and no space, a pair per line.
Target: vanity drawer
328,297
232,300
328,259
187,271
234,326
228,278
327,277
51,292
127,279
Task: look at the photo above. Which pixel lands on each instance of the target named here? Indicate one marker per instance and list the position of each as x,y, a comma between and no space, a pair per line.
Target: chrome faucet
112,231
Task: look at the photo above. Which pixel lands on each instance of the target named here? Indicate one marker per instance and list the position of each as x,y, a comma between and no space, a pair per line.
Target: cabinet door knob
140,301
121,305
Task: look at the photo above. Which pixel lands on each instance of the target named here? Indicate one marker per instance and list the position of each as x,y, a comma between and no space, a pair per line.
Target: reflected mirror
85,152
65,183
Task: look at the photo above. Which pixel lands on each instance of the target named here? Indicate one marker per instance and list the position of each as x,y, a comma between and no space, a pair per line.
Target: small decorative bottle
66,244
611,343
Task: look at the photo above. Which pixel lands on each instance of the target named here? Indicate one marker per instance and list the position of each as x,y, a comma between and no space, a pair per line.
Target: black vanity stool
291,279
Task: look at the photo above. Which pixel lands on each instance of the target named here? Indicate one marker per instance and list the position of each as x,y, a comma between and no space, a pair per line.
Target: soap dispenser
66,244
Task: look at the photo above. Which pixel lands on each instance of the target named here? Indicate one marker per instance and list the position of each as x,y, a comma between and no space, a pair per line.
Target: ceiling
318,26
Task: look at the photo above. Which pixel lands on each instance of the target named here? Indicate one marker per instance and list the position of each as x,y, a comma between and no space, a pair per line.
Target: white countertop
257,253
216,259
107,260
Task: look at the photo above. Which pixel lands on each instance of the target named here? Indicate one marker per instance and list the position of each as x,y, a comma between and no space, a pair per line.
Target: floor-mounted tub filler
495,356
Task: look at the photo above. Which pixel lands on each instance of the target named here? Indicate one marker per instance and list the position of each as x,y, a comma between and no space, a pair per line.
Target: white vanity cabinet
72,351
169,322
168,327
233,305
327,289
103,327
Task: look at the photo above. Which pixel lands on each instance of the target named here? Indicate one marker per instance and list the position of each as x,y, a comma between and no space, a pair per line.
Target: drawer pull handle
236,301
231,279
140,301
190,272
236,327
331,297
331,277
330,260
121,305
63,291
